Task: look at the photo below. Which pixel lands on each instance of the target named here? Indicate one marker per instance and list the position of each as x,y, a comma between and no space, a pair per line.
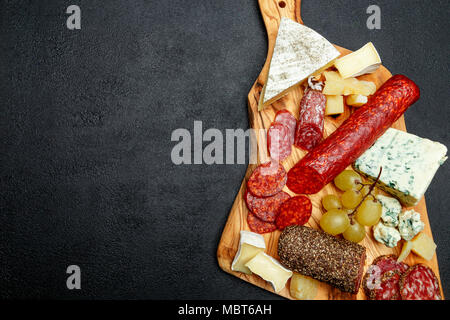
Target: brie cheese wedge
363,61
250,244
298,53
270,270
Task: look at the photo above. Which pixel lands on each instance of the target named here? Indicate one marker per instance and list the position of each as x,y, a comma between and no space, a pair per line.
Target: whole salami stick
321,165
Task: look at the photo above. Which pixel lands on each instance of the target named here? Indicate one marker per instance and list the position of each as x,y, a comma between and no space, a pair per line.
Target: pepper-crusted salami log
388,288
279,141
310,124
257,225
286,118
419,283
267,208
267,180
295,211
323,257
354,136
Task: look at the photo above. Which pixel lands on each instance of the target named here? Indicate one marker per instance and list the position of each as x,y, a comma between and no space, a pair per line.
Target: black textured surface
87,116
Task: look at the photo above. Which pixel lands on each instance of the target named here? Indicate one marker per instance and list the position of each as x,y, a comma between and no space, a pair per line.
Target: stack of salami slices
387,279
269,207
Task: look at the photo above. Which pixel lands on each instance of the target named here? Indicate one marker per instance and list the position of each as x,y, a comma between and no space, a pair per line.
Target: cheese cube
270,270
409,164
250,244
424,246
356,100
362,61
334,105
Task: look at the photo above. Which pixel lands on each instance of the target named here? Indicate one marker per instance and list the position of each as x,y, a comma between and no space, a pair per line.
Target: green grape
369,212
355,232
351,198
334,222
347,179
331,201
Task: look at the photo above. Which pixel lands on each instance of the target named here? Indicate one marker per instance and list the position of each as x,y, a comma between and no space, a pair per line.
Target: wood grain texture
228,245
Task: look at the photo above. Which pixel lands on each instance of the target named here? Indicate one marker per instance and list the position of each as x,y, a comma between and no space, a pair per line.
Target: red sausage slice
311,120
279,141
257,225
266,209
294,211
419,283
322,164
267,180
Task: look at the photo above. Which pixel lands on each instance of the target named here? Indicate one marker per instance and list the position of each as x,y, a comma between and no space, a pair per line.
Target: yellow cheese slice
423,246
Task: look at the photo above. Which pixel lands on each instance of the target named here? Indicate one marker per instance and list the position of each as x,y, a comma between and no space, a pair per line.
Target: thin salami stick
321,165
311,120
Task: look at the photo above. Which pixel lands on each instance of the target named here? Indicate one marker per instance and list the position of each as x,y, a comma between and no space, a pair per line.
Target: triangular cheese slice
299,52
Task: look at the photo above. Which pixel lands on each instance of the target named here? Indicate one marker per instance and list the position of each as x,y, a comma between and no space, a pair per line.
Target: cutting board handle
273,10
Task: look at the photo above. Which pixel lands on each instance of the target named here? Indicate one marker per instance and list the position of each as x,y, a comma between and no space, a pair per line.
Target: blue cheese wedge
391,208
410,224
389,236
298,53
409,164
250,244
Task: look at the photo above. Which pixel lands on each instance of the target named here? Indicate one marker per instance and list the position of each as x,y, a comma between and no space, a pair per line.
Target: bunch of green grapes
362,213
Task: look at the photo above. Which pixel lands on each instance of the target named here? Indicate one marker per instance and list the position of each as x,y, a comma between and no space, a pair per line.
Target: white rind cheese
298,53
250,244
391,209
270,270
409,164
389,236
410,224
362,61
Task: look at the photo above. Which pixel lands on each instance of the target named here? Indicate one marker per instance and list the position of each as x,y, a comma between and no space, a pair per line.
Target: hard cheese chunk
298,53
406,249
409,164
391,209
362,61
424,246
356,100
250,244
270,270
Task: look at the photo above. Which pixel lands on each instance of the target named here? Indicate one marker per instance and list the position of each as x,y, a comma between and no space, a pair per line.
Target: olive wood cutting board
272,11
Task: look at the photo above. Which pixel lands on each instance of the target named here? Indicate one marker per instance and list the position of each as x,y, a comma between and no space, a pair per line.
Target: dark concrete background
87,117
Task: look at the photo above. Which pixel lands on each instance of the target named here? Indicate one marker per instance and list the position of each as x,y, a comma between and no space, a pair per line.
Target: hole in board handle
282,4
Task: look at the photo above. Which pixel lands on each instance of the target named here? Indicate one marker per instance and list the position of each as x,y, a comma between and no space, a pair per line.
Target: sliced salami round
311,120
286,118
257,225
294,211
267,179
279,141
388,288
419,283
267,208
379,267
